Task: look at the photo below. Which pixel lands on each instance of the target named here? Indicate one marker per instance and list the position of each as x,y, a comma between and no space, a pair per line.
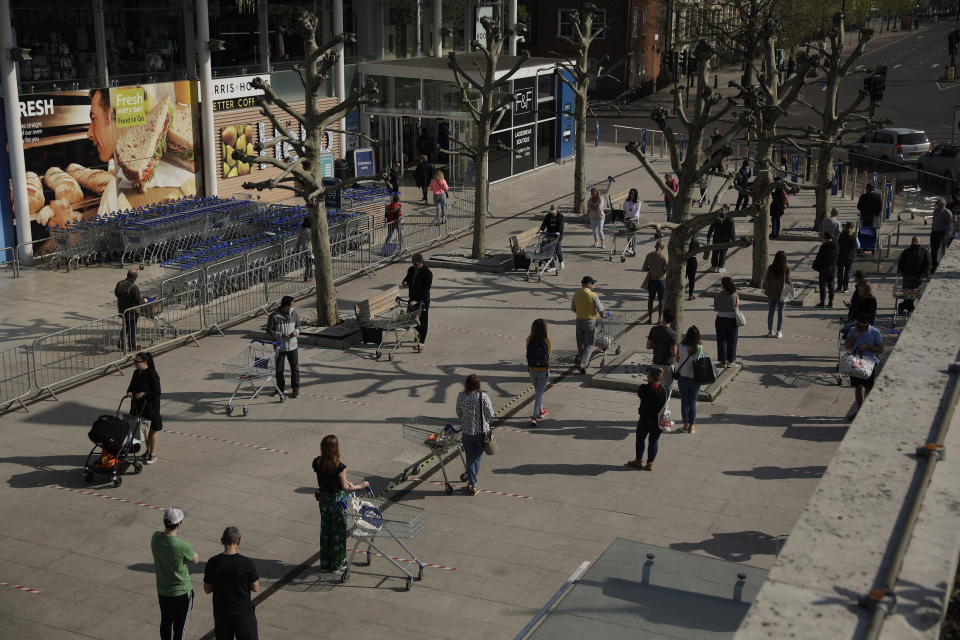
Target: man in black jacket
826,265
418,281
912,267
742,182
423,174
653,398
870,206
553,223
723,230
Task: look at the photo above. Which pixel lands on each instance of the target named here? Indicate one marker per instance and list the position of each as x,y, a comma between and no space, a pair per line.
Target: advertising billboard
88,153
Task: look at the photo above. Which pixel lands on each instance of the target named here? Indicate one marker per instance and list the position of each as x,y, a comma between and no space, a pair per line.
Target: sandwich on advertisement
140,147
180,149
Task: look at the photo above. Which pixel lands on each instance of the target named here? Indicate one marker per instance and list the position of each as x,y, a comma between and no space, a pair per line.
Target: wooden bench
376,304
524,239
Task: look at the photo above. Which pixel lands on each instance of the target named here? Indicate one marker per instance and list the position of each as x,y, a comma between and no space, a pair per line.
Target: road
913,98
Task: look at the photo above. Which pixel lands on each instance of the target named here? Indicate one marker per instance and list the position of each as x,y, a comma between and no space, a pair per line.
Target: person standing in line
831,225
475,411
439,189
423,174
283,326
231,578
668,197
631,220
954,207
865,341
171,553
394,178
846,254
553,223
332,487
777,277
725,304
129,296
663,340
742,183
691,267
721,231
538,364
597,216
913,267
586,304
862,302
392,215
825,264
655,264
690,349
778,206
653,397
144,393
941,226
305,246
418,281
870,206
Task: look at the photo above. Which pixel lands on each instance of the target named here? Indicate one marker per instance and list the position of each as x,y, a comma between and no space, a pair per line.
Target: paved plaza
554,496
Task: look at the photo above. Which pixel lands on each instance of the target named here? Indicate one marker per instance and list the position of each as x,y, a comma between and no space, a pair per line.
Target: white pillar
206,89
340,74
11,105
438,28
513,27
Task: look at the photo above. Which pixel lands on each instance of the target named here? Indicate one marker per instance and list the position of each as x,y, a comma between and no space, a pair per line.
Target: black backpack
537,354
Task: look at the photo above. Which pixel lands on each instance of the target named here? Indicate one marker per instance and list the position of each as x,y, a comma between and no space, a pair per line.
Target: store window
397,95
565,23
546,100
286,43
60,36
145,41
240,33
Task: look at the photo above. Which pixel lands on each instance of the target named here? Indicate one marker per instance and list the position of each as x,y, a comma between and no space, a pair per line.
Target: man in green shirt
171,553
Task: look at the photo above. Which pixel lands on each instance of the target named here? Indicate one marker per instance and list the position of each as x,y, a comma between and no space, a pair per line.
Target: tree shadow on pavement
45,471
586,430
739,546
779,473
560,469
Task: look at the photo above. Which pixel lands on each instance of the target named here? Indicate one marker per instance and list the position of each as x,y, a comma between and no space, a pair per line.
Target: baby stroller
114,448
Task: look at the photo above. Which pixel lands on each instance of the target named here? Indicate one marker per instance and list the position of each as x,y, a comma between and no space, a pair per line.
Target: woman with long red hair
332,487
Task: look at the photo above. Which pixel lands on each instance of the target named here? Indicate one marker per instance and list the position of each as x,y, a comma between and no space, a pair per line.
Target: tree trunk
676,248
761,244
580,151
481,173
824,174
323,264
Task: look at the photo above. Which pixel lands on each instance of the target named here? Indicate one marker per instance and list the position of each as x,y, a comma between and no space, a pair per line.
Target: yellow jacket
586,304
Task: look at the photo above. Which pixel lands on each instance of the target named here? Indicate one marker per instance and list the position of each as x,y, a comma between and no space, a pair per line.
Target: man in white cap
171,553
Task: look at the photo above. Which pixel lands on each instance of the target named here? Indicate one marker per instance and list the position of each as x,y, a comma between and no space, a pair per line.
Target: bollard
597,139
643,141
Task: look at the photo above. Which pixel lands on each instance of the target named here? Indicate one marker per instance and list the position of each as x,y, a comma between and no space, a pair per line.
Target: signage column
11,103
206,90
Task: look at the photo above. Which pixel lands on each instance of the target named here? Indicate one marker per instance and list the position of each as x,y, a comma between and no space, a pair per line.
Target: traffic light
953,42
692,64
683,62
876,88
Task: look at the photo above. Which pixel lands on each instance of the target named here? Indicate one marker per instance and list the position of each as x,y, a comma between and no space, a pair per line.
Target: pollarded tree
834,121
710,108
483,85
302,174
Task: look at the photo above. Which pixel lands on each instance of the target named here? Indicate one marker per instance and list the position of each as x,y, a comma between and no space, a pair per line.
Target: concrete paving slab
628,372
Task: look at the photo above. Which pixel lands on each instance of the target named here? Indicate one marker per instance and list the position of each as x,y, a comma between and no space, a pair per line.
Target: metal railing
77,352
654,140
11,264
161,322
16,375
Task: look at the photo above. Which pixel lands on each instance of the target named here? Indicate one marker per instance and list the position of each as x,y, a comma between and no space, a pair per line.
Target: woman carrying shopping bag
439,189
596,214
728,322
332,487
475,411
653,398
538,364
144,394
689,350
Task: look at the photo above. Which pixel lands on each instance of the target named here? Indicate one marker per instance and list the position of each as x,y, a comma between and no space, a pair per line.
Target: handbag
703,370
787,293
664,421
857,366
489,443
741,319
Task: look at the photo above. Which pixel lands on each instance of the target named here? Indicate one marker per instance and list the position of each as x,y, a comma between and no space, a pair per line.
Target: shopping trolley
890,327
542,253
605,336
369,518
629,232
254,365
907,289
402,321
439,437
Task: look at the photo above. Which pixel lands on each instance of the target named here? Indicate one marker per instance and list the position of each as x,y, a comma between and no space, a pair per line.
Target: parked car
893,145
944,161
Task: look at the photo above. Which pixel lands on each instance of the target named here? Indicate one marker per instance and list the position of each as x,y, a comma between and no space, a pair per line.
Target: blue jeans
669,206
727,333
689,390
843,274
774,304
391,228
440,200
539,379
774,225
648,430
473,450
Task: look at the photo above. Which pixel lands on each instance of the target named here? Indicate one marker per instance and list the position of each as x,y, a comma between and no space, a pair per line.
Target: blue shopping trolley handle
608,314
271,342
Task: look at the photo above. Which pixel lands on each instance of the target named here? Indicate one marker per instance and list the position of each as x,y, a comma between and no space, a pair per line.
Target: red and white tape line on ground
482,333
224,441
407,561
18,587
344,401
461,486
812,418
512,429
97,494
833,340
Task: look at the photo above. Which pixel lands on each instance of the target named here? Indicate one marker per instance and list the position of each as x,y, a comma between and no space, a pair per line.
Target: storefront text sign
129,107
235,93
363,162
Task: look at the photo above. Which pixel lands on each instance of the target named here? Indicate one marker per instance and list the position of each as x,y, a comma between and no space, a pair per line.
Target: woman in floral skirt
332,487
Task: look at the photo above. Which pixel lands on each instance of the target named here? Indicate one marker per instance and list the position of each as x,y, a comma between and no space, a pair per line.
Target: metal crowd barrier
161,322
16,375
76,352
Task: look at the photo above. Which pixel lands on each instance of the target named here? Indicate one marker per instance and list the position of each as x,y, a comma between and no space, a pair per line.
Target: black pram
114,448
